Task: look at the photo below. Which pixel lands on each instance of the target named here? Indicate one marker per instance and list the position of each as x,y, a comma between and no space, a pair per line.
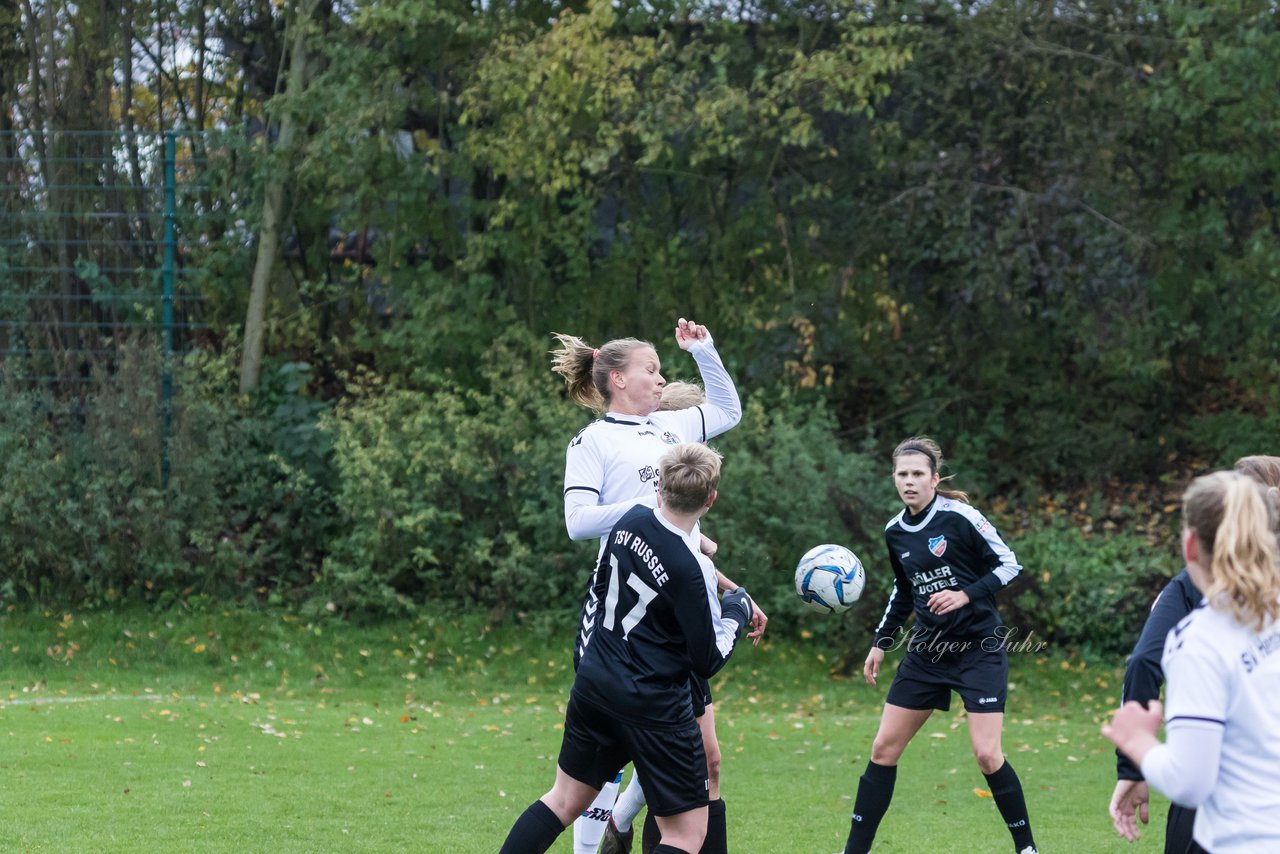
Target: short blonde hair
1235,519
688,474
681,395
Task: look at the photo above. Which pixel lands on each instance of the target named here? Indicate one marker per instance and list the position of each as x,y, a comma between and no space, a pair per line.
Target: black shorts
929,673
1178,828
700,693
671,762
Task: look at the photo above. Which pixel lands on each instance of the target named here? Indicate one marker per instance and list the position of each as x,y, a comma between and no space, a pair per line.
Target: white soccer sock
629,804
589,827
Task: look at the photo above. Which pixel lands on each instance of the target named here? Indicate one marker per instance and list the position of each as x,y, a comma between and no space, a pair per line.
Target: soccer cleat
1030,849
616,841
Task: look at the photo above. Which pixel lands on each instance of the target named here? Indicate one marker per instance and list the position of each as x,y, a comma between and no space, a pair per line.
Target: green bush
1084,593
788,485
450,495
82,515
87,518
251,484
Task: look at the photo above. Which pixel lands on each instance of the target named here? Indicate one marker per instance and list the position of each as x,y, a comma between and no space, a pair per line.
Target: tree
300,69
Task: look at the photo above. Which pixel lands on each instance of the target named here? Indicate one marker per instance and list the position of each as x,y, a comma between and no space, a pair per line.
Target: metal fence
89,255
93,258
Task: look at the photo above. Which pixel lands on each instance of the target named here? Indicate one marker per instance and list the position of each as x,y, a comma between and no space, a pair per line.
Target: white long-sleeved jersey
1222,713
612,464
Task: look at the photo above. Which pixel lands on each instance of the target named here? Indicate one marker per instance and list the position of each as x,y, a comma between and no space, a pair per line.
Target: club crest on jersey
938,545
668,438
647,474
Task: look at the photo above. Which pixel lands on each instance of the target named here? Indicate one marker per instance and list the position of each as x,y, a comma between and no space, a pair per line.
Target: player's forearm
1186,768
591,521
723,407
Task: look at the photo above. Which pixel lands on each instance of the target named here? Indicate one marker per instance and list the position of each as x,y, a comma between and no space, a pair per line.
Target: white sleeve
1185,768
723,408
585,519
1197,695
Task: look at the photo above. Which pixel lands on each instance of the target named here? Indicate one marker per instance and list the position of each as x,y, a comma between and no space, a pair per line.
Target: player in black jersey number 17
662,623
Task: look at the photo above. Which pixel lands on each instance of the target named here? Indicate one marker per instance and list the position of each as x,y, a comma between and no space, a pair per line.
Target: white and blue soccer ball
829,578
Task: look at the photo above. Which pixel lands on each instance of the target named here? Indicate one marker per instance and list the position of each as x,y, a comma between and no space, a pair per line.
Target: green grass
255,732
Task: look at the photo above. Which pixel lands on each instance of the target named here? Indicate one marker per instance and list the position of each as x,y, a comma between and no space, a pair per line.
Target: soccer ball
829,578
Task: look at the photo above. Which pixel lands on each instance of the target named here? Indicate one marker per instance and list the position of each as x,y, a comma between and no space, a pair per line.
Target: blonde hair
1235,520
1262,468
688,474
586,369
681,395
929,448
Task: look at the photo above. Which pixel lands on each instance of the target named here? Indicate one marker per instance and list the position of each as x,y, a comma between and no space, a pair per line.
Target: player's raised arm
723,408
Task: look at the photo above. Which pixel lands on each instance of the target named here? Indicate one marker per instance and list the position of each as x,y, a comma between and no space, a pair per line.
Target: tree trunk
273,214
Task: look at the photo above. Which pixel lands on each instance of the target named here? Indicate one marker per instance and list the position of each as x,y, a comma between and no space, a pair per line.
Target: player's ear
711,499
1190,546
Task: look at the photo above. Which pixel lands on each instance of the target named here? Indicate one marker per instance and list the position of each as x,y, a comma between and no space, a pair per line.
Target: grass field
255,732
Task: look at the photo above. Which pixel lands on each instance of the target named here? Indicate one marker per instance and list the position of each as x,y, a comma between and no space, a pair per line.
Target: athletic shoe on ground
615,841
1030,849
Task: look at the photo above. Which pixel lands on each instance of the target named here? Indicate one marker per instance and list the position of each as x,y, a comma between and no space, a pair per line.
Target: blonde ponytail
1235,520
574,361
586,369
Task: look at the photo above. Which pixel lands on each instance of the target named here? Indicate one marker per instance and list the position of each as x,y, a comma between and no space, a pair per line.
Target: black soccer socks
1006,790
534,831
717,841
875,791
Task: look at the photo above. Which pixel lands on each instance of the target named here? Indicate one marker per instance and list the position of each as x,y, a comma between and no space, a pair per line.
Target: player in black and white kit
948,564
611,465
1143,678
1222,662
660,623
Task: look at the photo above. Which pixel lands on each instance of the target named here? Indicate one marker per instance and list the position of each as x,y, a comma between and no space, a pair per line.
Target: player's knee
886,751
989,759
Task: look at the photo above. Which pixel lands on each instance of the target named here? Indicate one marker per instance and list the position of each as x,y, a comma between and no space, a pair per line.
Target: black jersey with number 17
947,546
660,621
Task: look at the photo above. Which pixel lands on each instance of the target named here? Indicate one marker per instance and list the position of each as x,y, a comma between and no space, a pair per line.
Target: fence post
166,390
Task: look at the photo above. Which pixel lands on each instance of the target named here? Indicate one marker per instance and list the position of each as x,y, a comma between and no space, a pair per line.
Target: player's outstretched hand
689,333
1134,728
1130,803
758,622
871,668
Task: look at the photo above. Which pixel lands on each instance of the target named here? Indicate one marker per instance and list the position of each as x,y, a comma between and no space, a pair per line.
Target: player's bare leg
717,841
684,831
875,788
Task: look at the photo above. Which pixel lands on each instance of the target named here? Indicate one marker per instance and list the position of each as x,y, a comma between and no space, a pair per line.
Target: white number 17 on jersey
646,593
